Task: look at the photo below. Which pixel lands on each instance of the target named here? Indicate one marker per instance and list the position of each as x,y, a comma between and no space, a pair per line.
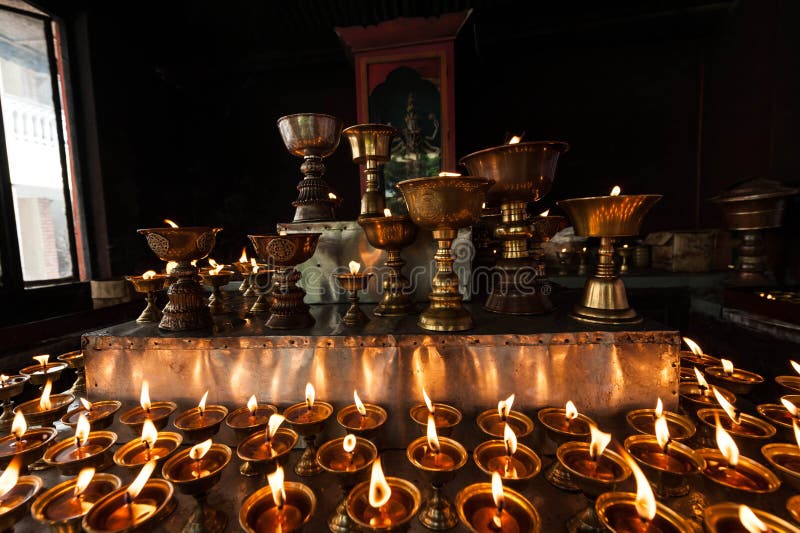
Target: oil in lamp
438,459
610,217
245,268
371,145
695,356
749,432
563,425
781,416
443,204
76,362
16,494
516,463
308,418
312,136
353,282
187,309
195,472
729,517
383,503
216,277
46,409
157,412
149,284
153,445
202,422
253,417
44,371
10,386
445,416
263,450
391,233
668,464
736,380
63,507
86,448
26,444
286,251
139,506
643,421
735,477
362,419
261,284
625,512
493,422
522,172
347,458
100,413
492,508
790,383
785,458
698,395
280,507
595,470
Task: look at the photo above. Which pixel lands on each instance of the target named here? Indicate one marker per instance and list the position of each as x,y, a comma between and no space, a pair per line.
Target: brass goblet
312,136
353,283
11,386
149,287
261,284
544,227
76,361
216,280
391,233
245,269
604,298
308,422
187,309
371,145
443,204
286,252
438,466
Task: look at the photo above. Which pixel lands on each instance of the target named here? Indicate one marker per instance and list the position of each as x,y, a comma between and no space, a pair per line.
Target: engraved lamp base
187,309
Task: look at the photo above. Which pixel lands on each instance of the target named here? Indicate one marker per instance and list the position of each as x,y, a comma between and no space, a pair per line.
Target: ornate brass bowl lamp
371,145
149,284
11,386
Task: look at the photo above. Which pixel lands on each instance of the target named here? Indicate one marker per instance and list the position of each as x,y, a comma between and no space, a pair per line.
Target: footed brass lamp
604,298
523,173
371,145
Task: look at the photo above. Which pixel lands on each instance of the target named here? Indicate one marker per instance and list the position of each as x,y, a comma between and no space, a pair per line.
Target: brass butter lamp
371,145
522,172
149,284
76,362
443,204
353,282
10,386
312,136
604,299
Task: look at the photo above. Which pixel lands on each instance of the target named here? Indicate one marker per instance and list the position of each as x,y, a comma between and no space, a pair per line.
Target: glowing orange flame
792,408
86,404
727,367
379,489
199,451
44,402
795,366
149,433
545,213
170,223
150,274
428,402
693,346
310,393
202,405
615,191
10,476
514,140
141,479
726,445
19,426
499,499
359,404
504,406
273,424
82,482
570,411
349,443
42,360
645,502
387,212
82,430
243,257
659,408
750,521
796,432
701,381
662,432
144,397
276,485
727,406
510,440
433,438
254,264
252,405
332,196
354,267
449,174
216,268
171,266
598,443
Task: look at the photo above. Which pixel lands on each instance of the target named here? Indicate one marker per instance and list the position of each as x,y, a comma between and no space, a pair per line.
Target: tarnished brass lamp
604,299
371,145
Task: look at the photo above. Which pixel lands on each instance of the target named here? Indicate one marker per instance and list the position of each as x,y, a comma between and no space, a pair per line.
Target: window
38,196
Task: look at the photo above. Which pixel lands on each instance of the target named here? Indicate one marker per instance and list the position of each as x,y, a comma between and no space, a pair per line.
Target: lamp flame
499,499
82,482
387,212
727,406
504,406
332,196
243,257
750,521
252,405
82,430
428,402
796,432
44,402
792,408
645,502
796,366
144,397
254,264
726,445
727,366
283,233
149,433
379,489
433,438
171,223
310,393
141,479
693,346
10,476
86,404
359,404
449,174
662,432
274,422
150,274
659,408
199,451
615,191
42,360
701,381
276,485
349,443
354,267
170,266
19,426
570,411
216,268
514,140
545,213
598,443
202,405
510,440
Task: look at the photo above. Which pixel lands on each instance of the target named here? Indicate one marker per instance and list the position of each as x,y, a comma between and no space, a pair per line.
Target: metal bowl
310,134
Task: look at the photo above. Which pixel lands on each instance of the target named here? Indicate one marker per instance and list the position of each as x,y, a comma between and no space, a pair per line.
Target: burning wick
727,367
149,437
428,402
499,502
196,454
331,196
144,397
702,384
615,191
349,446
310,393
278,493
82,482
243,257
380,493
42,359
282,233
433,440
354,267
510,441
795,366
570,413
791,407
449,175
598,443
3,379
82,430
150,274
515,139
733,413
19,426
360,408
504,407
136,487
750,521
252,405
387,212
273,424
545,213
170,223
202,405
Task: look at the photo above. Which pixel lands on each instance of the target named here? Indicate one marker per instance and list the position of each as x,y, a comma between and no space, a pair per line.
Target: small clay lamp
643,421
749,432
735,477
308,419
149,284
152,445
277,508
139,506
16,495
263,450
44,371
438,460
729,517
695,396
383,504
202,422
736,380
668,464
353,282
695,357
563,425
253,417
625,512
445,416
86,449
62,507
362,419
195,472
781,416
100,414
790,383
10,386
785,458
516,463
348,459
493,422
244,268
27,445
595,470
217,277
47,408
157,412
491,508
